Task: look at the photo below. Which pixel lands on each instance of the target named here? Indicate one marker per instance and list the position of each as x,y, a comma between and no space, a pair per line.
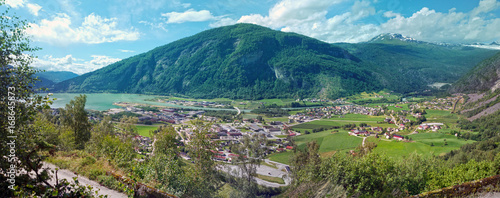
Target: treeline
486,126
271,112
382,100
222,114
366,174
321,129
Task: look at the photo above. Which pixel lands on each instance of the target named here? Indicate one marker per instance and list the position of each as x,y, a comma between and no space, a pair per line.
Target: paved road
68,175
265,170
238,111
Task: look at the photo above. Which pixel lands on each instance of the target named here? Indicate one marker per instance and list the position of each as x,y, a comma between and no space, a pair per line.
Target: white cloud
126,51
94,29
190,15
160,25
69,63
34,8
223,22
454,27
15,3
485,6
291,12
309,17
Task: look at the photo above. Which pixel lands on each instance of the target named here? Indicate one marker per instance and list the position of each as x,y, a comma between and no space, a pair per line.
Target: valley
294,100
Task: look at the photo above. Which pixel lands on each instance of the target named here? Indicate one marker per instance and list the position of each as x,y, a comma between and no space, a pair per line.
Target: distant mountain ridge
57,76
250,61
47,79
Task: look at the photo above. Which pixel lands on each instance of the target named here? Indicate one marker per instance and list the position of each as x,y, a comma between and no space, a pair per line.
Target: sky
84,35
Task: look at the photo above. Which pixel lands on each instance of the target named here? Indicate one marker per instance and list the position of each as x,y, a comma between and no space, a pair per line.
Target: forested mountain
485,76
48,78
251,62
403,64
57,76
482,86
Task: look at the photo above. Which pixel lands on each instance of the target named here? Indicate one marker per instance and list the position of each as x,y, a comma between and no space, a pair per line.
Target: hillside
483,77
481,85
239,61
57,76
405,65
49,78
252,62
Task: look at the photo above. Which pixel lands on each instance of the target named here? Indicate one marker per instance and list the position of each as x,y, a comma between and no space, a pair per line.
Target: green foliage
75,117
118,116
486,126
240,61
271,112
481,78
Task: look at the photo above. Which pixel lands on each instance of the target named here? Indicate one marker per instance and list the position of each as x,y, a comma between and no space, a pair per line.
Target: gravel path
68,175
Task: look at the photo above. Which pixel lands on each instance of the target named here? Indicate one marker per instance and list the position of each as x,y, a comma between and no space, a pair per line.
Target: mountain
404,64
483,77
44,83
49,78
482,88
251,62
238,61
57,76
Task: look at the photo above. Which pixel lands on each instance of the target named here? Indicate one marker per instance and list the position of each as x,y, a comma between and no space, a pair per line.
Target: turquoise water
104,101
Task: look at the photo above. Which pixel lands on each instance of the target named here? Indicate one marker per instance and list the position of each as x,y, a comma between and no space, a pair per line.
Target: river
104,101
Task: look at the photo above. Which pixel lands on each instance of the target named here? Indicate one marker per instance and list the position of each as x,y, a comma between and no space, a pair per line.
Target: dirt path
68,175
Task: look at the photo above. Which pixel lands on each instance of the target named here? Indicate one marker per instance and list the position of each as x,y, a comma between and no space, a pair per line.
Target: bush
109,182
95,173
87,161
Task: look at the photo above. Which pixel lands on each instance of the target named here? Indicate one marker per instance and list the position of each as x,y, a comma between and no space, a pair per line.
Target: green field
440,116
317,124
404,107
328,142
144,130
358,117
422,145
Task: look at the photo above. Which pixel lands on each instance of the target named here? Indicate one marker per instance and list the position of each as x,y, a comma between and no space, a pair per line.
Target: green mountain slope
485,76
57,76
251,62
482,86
405,65
239,61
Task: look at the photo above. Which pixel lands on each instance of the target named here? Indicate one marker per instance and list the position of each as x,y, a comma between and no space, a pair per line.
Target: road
68,175
238,111
267,171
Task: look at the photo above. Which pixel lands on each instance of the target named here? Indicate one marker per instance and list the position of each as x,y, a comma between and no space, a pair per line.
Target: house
398,137
356,132
273,130
255,127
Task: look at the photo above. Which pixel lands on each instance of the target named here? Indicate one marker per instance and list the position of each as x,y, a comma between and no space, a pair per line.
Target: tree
75,117
249,155
204,173
127,126
20,140
166,166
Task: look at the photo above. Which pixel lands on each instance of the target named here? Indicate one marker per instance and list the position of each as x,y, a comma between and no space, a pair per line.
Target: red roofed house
397,137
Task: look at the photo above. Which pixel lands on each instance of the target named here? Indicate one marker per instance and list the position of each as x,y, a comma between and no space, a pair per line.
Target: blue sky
85,35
